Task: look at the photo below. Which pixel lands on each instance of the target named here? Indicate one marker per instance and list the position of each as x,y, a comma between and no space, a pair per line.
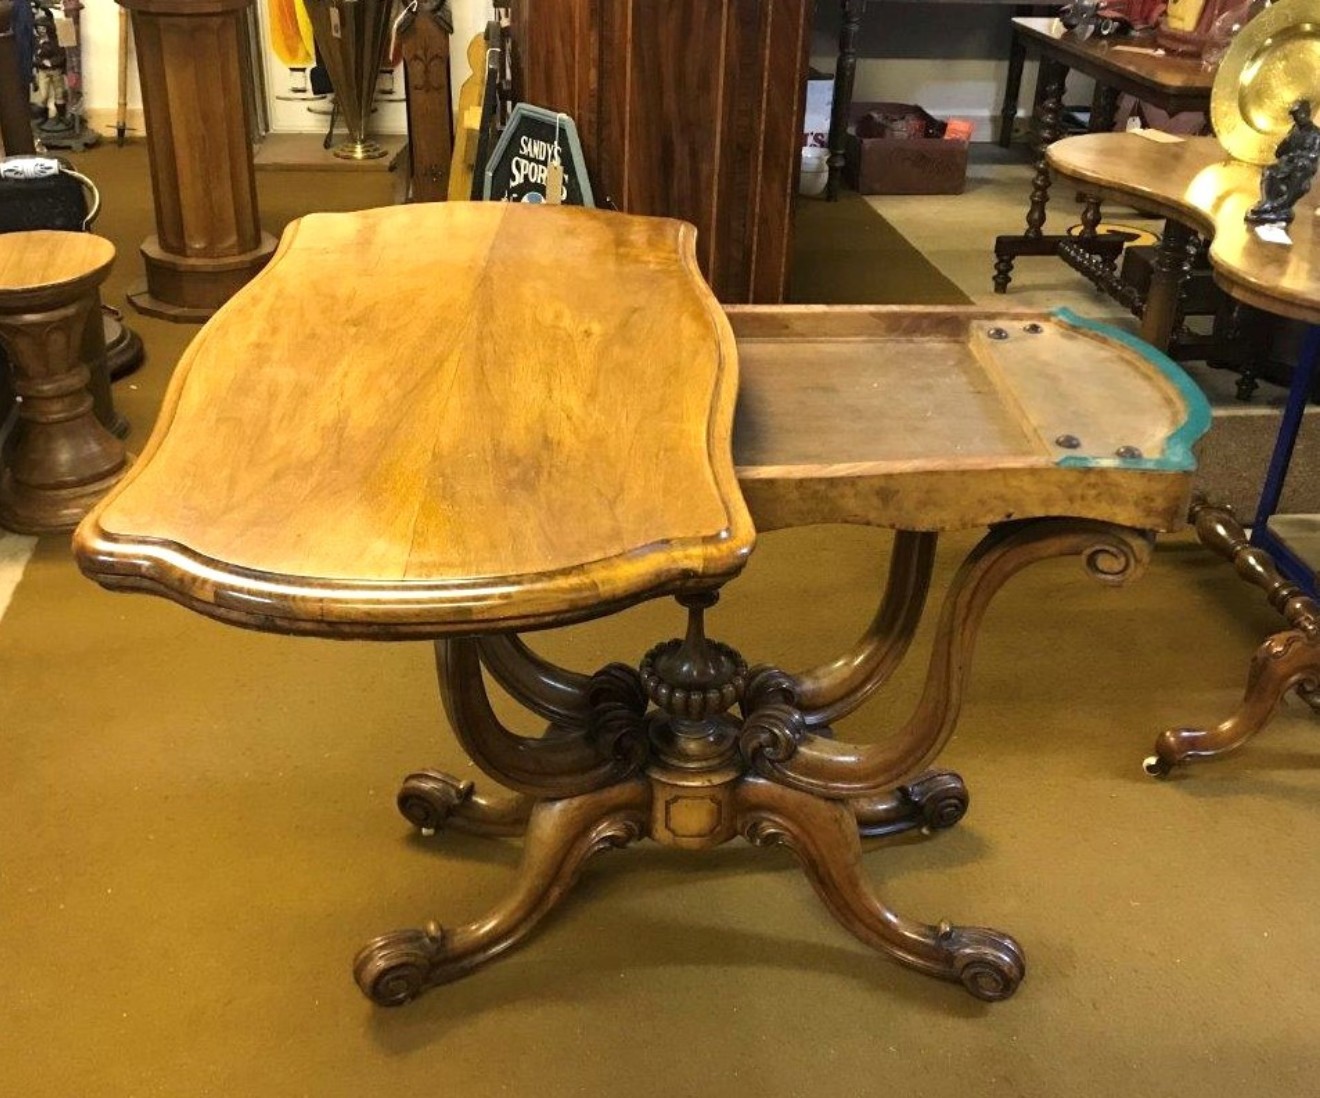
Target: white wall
100,57
950,58
100,43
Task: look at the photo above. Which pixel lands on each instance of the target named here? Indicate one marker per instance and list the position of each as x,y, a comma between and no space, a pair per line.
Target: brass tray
1273,62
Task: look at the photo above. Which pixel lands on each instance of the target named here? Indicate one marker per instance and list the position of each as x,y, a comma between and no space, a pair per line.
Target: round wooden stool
62,459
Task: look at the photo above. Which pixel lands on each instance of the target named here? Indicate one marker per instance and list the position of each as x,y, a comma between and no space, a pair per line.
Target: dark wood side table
1195,185
1173,84
562,454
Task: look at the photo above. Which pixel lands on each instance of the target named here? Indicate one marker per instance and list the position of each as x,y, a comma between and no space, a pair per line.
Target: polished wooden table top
1194,182
32,262
547,437
441,418
1132,59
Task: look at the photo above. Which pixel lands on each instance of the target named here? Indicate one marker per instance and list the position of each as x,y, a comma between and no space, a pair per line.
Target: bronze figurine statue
1285,181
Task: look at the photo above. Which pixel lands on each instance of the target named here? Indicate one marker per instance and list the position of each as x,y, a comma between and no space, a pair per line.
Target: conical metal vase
351,36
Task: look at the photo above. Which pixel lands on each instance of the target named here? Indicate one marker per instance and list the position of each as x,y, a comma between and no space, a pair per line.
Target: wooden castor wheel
63,459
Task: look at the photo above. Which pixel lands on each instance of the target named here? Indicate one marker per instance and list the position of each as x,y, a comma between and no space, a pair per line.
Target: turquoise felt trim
1177,456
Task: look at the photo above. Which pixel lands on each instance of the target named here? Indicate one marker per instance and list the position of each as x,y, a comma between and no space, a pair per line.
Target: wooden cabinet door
686,108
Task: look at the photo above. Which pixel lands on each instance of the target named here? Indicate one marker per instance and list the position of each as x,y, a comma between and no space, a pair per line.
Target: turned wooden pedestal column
194,65
63,459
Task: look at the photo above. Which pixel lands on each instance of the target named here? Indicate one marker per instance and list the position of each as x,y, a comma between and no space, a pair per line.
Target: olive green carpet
199,833
845,253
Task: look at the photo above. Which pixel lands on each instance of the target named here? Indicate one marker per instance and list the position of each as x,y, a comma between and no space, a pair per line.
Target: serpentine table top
1193,181
547,437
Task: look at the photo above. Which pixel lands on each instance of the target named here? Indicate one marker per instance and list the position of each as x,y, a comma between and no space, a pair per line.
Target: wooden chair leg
823,835
561,835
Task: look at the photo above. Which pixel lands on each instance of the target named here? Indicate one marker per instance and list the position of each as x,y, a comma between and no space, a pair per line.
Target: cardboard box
898,164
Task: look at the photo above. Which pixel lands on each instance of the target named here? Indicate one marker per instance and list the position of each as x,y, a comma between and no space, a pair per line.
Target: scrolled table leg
552,692
611,747
833,690
431,800
823,836
561,835
932,802
784,752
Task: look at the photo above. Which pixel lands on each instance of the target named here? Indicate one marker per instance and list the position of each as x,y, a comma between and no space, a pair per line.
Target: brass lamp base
359,150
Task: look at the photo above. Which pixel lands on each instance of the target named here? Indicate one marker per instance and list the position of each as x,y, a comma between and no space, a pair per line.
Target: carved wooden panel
425,48
689,110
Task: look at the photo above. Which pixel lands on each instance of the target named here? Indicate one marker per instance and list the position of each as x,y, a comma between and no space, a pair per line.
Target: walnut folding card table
552,439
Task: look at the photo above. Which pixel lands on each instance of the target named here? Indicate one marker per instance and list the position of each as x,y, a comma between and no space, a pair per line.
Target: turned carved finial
695,677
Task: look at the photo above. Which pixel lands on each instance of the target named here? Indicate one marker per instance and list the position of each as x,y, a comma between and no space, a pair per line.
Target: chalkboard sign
534,139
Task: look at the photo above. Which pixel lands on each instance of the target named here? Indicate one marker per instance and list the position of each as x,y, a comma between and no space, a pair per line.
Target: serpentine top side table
1202,191
554,443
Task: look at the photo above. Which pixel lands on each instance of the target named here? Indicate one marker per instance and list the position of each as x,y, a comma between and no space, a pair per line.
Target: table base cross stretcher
551,452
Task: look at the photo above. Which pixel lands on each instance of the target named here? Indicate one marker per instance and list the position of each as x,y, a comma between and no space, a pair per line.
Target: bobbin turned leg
1285,661
823,835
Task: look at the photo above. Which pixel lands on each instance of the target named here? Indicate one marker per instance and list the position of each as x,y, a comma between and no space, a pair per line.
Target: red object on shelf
898,148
